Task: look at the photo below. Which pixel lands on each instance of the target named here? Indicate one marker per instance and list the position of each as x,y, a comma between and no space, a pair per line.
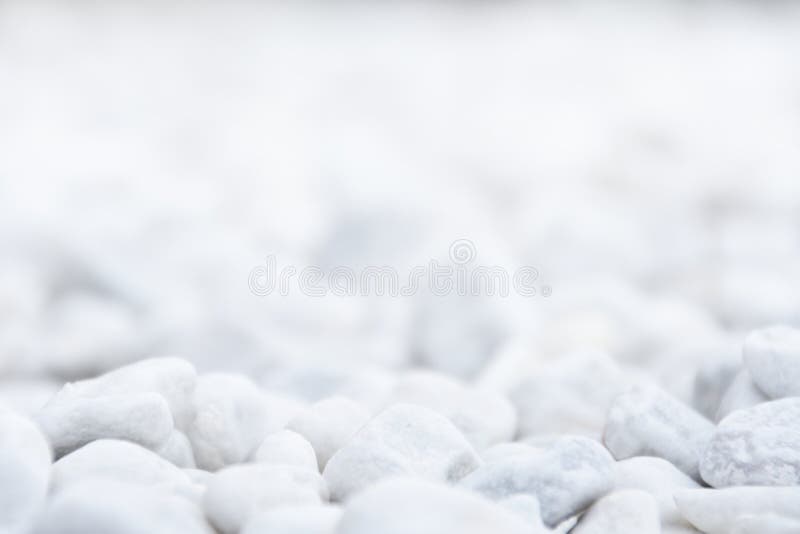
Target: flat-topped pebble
172,378
646,421
404,506
142,418
236,493
484,417
718,511
328,425
286,447
118,460
295,520
24,470
112,507
232,418
565,478
621,512
657,477
404,439
756,446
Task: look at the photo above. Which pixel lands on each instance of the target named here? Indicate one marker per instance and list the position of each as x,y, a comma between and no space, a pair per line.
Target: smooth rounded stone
718,511
772,355
621,512
198,476
404,439
765,524
295,520
646,421
403,506
741,394
234,494
756,446
286,447
565,478
569,396
122,461
484,417
113,507
178,450
657,477
232,417
172,378
142,418
328,425
25,458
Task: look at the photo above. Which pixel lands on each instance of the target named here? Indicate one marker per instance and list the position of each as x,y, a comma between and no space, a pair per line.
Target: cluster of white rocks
155,447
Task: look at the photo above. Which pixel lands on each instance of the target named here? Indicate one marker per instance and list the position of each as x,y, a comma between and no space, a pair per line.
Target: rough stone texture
404,439
646,421
756,446
565,478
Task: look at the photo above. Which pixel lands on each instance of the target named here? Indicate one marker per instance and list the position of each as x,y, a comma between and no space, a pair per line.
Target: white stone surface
772,355
755,446
295,520
565,478
404,439
621,512
742,393
286,447
234,494
719,511
647,421
403,506
25,458
328,425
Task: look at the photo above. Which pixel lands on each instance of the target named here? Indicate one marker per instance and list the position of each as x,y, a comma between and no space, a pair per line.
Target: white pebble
24,470
756,446
328,425
621,512
717,511
232,418
236,493
286,447
569,396
765,524
657,477
404,439
404,506
121,461
112,507
772,355
565,478
70,423
646,421
295,520
484,417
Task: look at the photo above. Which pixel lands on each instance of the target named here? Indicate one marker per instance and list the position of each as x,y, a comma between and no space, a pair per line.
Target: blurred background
644,156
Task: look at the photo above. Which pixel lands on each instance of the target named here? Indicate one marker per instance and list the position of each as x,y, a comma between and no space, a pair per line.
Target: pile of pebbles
154,447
